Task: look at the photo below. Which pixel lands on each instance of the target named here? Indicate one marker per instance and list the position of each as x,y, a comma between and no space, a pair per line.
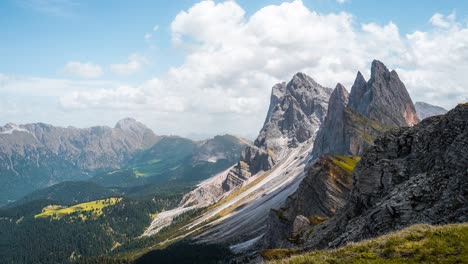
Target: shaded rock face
425,110
354,121
322,192
296,111
331,137
412,175
37,155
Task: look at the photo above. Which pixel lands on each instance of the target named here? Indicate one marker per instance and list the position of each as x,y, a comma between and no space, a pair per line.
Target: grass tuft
415,244
346,163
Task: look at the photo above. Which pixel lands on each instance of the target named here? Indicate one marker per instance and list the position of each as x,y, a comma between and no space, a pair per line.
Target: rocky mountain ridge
38,155
354,120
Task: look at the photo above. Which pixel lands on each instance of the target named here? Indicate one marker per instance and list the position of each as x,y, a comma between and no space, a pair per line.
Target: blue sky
39,37
83,43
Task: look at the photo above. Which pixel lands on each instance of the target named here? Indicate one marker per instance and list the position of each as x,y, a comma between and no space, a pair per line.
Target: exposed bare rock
375,106
236,176
300,224
425,110
207,192
296,112
322,192
331,137
412,175
384,98
352,124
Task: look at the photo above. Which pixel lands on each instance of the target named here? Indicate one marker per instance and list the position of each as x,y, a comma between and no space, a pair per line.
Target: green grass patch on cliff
416,244
83,210
346,163
316,220
277,253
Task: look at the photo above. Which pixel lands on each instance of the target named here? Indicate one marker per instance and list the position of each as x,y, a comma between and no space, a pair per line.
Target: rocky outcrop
412,175
353,122
252,161
425,110
38,155
236,176
322,192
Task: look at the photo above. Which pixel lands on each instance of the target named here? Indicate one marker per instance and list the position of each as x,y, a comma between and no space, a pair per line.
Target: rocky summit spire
358,90
384,98
331,137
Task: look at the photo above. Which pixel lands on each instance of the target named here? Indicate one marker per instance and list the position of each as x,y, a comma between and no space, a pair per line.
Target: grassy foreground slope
415,244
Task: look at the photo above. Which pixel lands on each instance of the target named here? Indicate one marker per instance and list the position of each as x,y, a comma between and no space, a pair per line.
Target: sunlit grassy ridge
346,163
83,210
416,244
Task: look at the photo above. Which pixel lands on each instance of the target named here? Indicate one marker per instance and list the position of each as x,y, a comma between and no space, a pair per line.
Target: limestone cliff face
323,191
331,137
412,175
383,98
353,122
297,109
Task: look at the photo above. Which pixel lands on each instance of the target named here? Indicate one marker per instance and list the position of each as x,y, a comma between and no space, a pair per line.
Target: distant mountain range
38,155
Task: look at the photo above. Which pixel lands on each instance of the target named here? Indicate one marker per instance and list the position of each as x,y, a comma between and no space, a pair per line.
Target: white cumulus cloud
83,69
135,63
439,20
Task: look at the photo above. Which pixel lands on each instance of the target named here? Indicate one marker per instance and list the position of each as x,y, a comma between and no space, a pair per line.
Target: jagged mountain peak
358,90
295,113
301,84
128,123
372,107
384,98
330,137
379,70
340,91
301,77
